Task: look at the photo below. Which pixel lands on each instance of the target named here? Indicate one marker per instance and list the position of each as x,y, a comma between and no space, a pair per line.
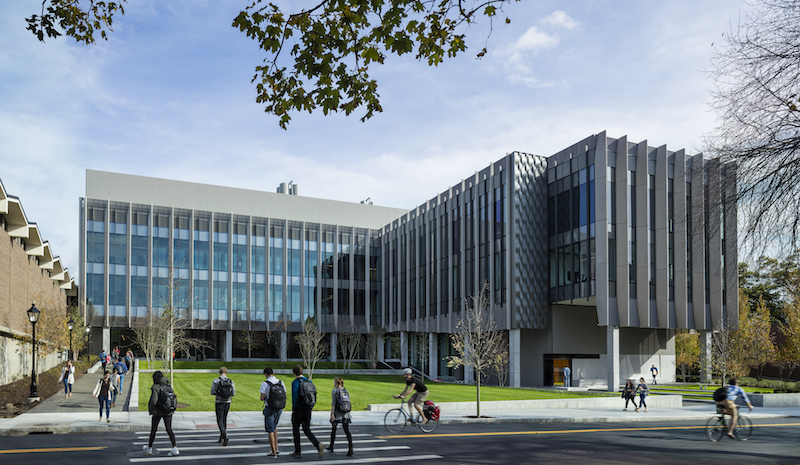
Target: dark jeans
631,399
167,426
641,401
222,417
104,401
302,416
346,427
67,386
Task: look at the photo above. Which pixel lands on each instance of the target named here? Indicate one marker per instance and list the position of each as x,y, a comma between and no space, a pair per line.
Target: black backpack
720,394
307,393
167,400
277,396
343,401
225,388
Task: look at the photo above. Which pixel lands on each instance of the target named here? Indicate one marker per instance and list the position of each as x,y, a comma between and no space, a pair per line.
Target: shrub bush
770,384
790,386
747,381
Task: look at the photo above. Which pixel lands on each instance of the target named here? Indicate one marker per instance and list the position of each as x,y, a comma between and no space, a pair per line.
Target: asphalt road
773,442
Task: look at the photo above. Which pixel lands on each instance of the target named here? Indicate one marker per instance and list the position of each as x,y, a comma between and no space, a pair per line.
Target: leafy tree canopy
319,57
773,281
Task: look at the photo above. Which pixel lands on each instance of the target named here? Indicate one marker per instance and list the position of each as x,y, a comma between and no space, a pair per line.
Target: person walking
567,373
340,413
103,391
115,383
629,394
121,369
273,394
68,378
301,412
654,372
129,360
159,383
103,359
223,389
643,391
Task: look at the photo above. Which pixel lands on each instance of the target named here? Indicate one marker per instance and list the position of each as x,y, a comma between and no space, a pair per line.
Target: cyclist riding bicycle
733,391
413,383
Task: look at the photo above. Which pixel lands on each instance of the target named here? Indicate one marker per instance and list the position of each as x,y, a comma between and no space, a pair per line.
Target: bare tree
374,338
422,350
756,72
350,344
312,344
500,366
726,345
251,339
477,339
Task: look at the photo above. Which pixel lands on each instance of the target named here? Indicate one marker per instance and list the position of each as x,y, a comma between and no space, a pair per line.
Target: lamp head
33,313
71,324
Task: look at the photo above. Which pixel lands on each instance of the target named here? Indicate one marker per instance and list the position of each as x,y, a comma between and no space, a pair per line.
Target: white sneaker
173,452
147,450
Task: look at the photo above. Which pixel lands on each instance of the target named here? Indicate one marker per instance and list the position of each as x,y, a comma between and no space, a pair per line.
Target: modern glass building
592,257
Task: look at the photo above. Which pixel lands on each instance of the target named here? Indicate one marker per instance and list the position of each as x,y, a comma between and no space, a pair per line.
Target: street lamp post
88,329
33,316
70,326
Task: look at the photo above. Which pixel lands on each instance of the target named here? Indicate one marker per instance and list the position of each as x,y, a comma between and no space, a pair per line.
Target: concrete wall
575,331
16,357
640,348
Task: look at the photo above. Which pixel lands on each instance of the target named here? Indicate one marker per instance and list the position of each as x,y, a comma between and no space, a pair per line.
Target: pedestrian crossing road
250,446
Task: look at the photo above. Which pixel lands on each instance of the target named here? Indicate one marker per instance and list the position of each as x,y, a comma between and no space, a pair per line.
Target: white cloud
534,40
560,18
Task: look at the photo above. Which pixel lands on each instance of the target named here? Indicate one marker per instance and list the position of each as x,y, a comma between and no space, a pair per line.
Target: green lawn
192,365
194,390
708,388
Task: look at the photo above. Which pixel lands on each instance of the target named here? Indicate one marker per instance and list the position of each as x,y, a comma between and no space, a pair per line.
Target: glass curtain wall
360,277
202,245
161,261
276,231
181,260
117,262
239,269
95,259
139,261
293,272
374,279
221,268
258,270
327,248
311,271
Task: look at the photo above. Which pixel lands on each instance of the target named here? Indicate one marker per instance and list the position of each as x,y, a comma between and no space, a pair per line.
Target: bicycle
717,426
397,418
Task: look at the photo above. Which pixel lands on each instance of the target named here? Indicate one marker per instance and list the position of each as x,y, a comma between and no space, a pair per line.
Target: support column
284,345
433,356
107,341
705,356
404,348
381,348
514,368
334,340
228,345
612,357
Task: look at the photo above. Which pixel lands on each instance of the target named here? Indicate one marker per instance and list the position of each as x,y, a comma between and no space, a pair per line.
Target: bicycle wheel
429,426
395,420
744,428
715,429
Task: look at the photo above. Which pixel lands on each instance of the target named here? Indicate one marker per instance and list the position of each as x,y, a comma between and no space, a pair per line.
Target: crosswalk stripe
231,446
257,434
349,460
260,454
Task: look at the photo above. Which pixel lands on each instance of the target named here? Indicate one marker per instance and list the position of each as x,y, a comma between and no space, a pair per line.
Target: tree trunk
479,393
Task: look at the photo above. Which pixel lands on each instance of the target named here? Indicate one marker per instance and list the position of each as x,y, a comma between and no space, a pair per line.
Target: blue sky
169,96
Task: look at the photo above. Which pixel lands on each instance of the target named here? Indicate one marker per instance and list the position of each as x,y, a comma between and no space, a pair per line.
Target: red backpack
431,410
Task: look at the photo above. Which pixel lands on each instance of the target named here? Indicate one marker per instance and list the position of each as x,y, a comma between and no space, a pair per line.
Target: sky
169,96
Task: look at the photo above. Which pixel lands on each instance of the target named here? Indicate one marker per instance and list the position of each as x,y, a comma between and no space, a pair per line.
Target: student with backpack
224,389
162,404
273,394
304,397
120,368
340,413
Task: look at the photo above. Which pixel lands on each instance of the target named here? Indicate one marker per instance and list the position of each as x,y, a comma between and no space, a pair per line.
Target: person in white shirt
68,378
272,414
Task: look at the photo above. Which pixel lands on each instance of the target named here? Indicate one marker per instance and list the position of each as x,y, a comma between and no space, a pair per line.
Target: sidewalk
80,415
